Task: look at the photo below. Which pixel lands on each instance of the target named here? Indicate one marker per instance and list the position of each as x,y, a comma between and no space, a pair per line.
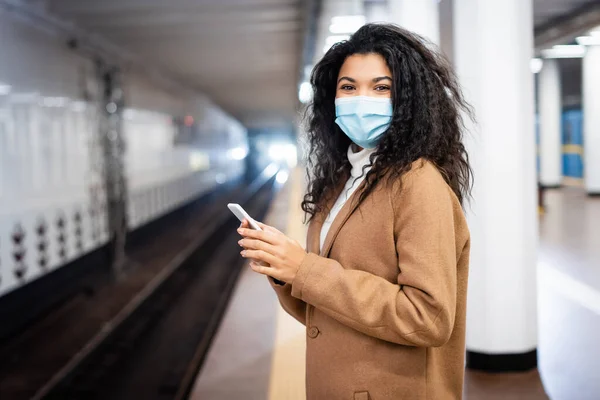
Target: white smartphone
241,214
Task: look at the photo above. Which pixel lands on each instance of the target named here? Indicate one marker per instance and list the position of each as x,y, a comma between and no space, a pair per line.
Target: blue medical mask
364,119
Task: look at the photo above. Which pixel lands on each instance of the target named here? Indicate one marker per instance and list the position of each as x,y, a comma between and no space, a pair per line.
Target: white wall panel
34,61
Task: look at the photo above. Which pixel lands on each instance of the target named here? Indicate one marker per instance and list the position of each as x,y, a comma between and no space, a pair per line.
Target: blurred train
53,214
51,175
53,219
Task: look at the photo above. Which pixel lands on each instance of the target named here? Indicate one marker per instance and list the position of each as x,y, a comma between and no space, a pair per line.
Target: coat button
313,332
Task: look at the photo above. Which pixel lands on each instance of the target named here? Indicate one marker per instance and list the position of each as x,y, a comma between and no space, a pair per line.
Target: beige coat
384,300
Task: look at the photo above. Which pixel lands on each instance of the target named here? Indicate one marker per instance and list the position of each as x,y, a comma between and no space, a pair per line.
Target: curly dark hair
426,123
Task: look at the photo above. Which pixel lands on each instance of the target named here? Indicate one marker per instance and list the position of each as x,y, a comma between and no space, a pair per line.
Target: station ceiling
244,54
551,11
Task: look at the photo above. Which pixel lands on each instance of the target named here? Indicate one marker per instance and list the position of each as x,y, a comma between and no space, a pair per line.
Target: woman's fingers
259,255
264,236
254,244
263,269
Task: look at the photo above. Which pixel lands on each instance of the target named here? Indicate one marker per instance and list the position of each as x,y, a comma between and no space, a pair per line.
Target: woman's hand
282,255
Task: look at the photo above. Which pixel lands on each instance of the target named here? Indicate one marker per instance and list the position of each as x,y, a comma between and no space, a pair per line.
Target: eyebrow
346,78
378,79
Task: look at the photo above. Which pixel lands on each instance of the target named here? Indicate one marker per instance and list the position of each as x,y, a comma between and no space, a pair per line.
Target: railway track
154,346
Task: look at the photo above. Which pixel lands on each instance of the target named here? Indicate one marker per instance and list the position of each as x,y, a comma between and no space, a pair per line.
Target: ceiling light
589,40
305,92
564,51
333,39
237,153
536,65
282,177
346,23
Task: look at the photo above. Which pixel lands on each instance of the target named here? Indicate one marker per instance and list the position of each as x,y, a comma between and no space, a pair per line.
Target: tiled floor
569,296
258,353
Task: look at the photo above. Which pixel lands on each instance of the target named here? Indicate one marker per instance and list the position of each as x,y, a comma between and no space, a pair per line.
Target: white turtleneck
358,161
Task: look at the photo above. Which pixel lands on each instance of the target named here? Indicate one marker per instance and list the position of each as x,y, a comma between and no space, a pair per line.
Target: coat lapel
314,233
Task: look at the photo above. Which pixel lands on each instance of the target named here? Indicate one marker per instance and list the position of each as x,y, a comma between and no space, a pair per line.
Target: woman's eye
346,87
382,88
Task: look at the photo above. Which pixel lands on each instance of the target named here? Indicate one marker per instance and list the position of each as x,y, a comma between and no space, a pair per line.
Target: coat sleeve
293,306
418,309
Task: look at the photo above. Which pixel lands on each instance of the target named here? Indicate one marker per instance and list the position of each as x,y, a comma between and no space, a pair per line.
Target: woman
382,288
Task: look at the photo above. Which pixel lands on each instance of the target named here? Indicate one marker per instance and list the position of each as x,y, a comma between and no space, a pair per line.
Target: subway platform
258,351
